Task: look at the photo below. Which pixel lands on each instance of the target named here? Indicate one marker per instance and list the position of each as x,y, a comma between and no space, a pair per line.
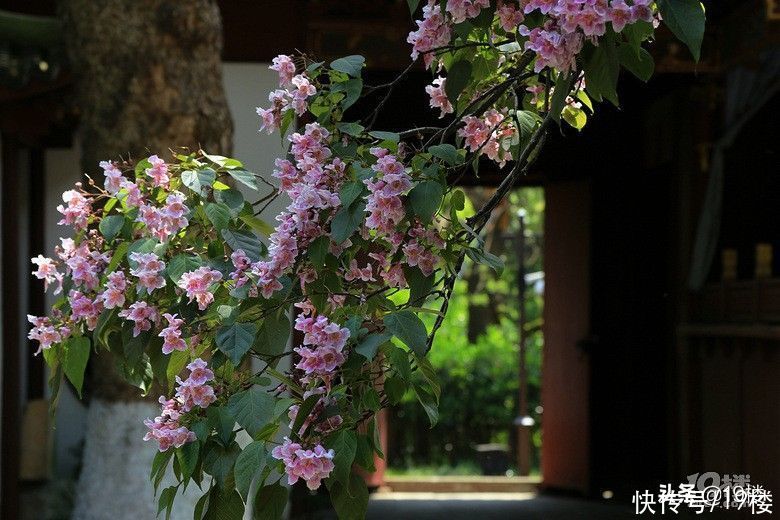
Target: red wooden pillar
565,370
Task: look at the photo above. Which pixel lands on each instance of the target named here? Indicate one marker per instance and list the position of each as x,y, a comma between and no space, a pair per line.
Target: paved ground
483,506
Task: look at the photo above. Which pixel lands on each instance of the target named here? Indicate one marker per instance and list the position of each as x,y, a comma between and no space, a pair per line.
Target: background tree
148,76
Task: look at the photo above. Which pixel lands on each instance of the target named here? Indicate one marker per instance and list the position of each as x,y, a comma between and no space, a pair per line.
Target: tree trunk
149,79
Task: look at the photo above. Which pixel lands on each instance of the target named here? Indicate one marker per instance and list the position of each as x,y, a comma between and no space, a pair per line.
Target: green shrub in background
479,379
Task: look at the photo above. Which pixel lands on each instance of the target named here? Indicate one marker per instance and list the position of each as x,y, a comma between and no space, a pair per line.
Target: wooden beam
12,333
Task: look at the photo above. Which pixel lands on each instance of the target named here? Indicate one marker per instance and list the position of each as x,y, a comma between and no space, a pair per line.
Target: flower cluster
323,342
77,211
439,96
148,270
166,428
311,465
171,334
384,205
570,22
141,314
197,285
164,222
433,31
45,333
294,95
491,135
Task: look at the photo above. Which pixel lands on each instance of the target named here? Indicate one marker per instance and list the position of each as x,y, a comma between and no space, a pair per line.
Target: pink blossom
158,172
132,194
199,372
114,295
142,314
113,176
433,31
47,271
310,465
148,270
461,10
77,210
43,332
284,65
197,283
509,16
365,274
84,308
172,334
438,96
166,429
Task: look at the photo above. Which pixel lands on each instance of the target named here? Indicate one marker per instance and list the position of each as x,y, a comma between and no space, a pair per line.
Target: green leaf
180,264
413,5
395,388
231,198
458,78
218,214
252,408
75,360
420,285
350,502
428,402
371,343
318,250
352,65
350,192
485,258
259,225
344,444
111,225
303,412
446,152
218,462
640,65
187,456
385,136
352,89
235,340
686,19
353,129
270,502
458,200
244,177
575,117
198,180
166,501
118,256
224,505
346,222
245,241
272,337
425,199
601,72
562,89
249,462
178,360
409,329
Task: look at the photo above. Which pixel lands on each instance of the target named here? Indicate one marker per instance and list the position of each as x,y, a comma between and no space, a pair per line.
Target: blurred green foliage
479,379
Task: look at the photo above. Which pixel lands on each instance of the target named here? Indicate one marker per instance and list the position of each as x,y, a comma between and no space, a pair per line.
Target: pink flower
509,17
199,372
44,332
620,15
113,175
310,465
433,31
464,9
284,65
132,194
197,283
84,308
165,429
47,271
77,211
355,273
172,334
438,96
142,314
114,295
148,270
158,172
